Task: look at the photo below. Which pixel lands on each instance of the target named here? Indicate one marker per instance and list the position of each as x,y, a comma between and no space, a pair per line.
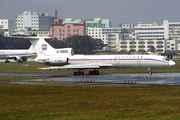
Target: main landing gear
7,61
80,72
93,72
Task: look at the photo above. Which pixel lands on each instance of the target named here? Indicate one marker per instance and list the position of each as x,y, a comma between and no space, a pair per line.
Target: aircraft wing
22,56
86,66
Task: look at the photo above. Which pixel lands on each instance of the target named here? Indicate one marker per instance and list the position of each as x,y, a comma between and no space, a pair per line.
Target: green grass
98,103
82,103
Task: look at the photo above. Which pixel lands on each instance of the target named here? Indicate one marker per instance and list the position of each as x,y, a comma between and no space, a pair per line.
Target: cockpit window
166,59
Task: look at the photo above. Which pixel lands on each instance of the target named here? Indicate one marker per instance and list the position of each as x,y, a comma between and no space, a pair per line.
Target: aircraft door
117,60
138,60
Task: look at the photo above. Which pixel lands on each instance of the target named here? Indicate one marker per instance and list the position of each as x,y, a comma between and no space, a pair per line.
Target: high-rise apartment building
34,20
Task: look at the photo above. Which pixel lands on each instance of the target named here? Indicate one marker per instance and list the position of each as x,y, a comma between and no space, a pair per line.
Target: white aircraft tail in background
65,59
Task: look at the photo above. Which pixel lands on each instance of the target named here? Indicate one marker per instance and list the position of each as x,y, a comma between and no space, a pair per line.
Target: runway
135,78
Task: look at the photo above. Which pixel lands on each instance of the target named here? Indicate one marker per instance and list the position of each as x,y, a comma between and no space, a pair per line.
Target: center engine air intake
57,60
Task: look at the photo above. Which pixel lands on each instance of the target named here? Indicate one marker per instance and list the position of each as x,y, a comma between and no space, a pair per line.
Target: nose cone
171,63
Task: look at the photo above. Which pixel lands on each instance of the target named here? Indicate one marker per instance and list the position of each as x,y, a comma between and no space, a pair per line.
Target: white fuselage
116,61
11,54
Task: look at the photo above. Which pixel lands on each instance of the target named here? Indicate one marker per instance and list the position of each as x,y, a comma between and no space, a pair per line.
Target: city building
29,31
152,36
143,45
6,27
34,20
97,23
102,33
71,21
150,31
68,28
113,42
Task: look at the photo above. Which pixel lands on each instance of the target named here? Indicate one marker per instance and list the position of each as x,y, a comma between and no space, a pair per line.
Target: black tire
74,73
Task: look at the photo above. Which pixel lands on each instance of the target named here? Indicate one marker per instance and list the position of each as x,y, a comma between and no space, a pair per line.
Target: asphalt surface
116,78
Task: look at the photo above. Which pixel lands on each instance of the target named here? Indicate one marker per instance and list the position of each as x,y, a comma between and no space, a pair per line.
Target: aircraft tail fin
40,46
31,48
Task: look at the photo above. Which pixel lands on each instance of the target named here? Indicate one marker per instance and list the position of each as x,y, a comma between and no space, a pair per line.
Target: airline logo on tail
44,47
27,13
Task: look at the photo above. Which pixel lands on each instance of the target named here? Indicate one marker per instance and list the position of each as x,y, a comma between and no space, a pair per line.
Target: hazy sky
118,11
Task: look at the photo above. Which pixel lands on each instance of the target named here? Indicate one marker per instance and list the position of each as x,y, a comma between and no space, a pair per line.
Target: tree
82,44
56,43
3,43
100,43
14,43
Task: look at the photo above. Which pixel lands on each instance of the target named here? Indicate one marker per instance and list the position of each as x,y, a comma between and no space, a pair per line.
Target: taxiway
116,78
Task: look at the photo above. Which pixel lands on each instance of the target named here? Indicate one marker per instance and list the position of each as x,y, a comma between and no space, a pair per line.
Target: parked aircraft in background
17,54
65,59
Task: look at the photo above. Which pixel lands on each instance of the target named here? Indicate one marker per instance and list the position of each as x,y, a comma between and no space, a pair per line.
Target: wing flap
77,67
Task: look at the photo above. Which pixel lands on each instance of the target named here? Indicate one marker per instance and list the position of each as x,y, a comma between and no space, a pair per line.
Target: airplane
64,58
19,55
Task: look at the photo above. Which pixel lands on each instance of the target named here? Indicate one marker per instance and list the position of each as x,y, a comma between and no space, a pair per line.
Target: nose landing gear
150,71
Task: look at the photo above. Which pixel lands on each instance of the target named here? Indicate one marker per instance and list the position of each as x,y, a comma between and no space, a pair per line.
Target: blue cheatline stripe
141,60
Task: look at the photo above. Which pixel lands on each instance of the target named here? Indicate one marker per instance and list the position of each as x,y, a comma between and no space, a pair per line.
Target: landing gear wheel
74,73
93,72
78,73
96,72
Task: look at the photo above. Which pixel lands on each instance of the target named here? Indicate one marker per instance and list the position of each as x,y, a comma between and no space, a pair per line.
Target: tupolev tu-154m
65,58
